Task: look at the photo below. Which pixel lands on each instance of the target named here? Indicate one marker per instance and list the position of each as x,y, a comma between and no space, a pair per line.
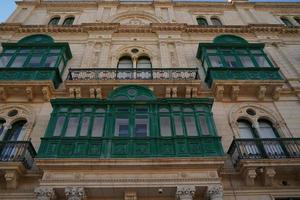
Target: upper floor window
125,62
202,21
68,21
286,21
297,19
54,21
143,62
35,51
216,21
233,52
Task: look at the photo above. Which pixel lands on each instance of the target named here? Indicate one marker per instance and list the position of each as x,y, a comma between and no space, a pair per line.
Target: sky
8,6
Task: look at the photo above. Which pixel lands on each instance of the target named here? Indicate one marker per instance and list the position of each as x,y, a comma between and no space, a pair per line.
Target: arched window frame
141,58
286,21
69,21
55,19
239,112
297,19
216,21
202,21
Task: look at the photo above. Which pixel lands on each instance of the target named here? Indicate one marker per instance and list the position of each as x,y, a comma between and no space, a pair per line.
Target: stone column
164,55
104,56
44,193
180,54
185,192
75,193
215,192
88,54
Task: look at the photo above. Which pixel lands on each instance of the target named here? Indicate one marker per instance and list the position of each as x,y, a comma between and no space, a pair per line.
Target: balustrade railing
271,148
133,74
17,151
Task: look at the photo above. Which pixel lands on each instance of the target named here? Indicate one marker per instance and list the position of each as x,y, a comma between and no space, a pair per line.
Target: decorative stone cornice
75,193
185,192
44,193
152,28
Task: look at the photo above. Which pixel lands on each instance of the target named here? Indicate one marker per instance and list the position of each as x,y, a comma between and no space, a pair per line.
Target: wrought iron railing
17,151
271,148
133,74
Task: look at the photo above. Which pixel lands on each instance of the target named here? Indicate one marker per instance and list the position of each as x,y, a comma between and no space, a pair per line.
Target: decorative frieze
44,193
185,192
75,193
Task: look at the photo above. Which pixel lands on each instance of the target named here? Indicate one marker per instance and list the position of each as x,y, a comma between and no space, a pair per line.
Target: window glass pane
61,65
68,21
245,130
59,125
100,110
200,109
188,110
54,21
76,110
141,126
122,127
178,125
211,50
125,62
72,126
215,61
9,51
25,51
203,125
266,130
88,109
246,61
216,22
144,63
98,127
40,50
190,125
2,122
163,110
262,61
286,21
241,51
51,61
84,126
142,110
19,61
255,51
202,21
63,109
297,19
4,60
176,108
54,50
165,126
35,61
230,61
123,109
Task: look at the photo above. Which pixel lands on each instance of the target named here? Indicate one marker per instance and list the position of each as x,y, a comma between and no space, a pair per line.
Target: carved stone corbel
3,95
72,92
11,178
75,193
44,193
215,192
235,89
194,92
276,93
174,92
168,92
188,92
130,196
29,93
185,192
46,93
261,92
249,176
99,93
269,174
220,92
77,92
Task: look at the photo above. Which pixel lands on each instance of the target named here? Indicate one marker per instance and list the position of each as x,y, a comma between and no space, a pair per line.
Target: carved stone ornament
75,193
185,192
44,193
215,192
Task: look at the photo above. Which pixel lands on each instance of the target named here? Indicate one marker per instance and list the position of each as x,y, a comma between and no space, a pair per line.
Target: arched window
202,21
14,132
245,129
215,21
297,19
69,21
125,62
144,63
286,21
54,21
2,122
266,129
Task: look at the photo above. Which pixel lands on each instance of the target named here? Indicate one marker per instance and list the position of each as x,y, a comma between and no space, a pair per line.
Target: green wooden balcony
118,147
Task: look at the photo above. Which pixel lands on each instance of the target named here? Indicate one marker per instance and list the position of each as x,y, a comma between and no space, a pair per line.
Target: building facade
105,99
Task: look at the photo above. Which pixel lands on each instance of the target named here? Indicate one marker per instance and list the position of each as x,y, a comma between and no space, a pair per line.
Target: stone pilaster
75,193
44,193
215,192
185,192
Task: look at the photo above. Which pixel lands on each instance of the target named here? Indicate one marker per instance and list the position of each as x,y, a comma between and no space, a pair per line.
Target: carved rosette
75,193
215,192
185,192
44,193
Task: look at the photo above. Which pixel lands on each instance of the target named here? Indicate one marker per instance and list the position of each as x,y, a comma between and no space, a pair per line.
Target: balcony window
202,21
143,63
2,122
14,132
144,123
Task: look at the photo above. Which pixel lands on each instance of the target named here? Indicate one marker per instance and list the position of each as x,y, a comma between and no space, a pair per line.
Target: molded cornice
154,27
